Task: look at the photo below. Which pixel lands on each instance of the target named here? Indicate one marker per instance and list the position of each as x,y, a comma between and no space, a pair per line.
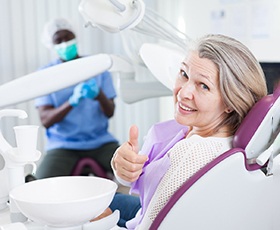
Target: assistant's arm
107,105
50,115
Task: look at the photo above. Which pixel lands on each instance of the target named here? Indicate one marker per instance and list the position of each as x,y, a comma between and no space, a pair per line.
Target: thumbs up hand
127,163
133,138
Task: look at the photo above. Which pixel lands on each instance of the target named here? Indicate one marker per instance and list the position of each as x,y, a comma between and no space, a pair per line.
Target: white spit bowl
64,201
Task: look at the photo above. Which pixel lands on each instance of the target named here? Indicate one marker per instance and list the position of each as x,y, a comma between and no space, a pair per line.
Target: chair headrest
258,127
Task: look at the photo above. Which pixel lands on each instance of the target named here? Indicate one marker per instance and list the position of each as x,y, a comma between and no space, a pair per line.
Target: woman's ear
228,110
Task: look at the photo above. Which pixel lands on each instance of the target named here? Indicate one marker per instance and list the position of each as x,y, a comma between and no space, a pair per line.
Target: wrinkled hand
77,95
106,213
90,89
127,163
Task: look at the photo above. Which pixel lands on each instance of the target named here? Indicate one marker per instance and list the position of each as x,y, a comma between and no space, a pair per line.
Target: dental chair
94,168
240,189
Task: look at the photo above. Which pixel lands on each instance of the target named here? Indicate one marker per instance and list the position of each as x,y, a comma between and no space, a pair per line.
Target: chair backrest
258,127
252,137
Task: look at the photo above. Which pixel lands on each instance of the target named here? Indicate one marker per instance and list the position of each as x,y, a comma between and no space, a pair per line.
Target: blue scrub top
85,126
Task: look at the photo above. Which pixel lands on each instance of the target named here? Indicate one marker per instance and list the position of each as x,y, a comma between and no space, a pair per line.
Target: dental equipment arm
53,79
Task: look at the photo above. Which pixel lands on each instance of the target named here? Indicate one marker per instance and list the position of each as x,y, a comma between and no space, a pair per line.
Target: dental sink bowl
64,201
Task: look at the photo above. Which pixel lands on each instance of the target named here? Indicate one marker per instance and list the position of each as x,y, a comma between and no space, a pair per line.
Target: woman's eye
203,86
183,73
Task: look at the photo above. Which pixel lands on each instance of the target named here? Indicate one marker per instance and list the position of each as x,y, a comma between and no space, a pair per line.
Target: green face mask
67,50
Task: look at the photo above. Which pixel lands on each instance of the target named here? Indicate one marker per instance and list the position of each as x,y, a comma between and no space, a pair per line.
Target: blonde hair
241,78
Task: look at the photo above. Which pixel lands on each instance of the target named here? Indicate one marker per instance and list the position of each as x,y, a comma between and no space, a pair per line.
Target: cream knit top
187,157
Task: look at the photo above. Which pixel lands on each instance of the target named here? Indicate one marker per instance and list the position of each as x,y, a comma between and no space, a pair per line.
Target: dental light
137,25
119,15
112,15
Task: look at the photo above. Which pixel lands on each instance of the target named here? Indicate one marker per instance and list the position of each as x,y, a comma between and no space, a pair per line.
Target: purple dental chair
94,167
240,189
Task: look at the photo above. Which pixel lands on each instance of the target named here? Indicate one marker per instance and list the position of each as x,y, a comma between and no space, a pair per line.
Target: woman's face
197,97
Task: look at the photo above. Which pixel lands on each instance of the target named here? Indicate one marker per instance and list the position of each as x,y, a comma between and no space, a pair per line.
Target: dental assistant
218,83
75,118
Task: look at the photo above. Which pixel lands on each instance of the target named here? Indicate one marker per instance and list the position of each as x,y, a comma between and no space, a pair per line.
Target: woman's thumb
133,138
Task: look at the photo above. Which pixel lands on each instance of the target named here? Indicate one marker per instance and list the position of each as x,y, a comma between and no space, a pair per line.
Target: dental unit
17,206
12,167
243,184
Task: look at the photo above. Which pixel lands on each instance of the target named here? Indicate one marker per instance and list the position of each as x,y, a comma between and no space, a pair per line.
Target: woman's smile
185,107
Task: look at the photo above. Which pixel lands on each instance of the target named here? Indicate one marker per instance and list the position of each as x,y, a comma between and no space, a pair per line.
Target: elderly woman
218,83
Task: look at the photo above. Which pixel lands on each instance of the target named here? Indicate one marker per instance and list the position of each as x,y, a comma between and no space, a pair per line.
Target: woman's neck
221,132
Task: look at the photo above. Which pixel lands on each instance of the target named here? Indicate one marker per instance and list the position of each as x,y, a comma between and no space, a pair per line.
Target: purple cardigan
160,138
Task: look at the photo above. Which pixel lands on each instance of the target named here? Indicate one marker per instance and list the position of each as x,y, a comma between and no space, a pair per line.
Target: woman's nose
187,90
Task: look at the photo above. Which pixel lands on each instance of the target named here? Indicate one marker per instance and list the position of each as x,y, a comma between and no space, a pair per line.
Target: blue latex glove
90,89
77,95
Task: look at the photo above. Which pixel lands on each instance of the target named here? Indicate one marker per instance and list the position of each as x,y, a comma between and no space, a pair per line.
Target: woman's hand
106,213
127,163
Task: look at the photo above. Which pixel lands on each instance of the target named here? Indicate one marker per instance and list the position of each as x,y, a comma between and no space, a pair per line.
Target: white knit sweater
187,157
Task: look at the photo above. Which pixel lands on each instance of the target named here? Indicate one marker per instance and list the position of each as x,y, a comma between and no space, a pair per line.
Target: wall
254,22
22,53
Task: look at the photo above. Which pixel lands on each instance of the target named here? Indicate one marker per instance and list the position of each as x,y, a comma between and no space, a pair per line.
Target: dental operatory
140,114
